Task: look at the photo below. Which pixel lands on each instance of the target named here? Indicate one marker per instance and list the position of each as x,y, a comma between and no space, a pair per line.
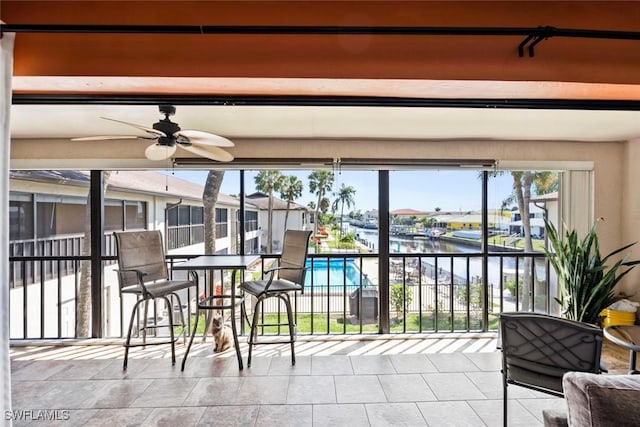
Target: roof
154,183
261,201
470,218
549,197
147,182
408,212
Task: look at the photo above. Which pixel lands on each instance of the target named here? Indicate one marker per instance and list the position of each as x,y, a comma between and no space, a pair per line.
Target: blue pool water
334,275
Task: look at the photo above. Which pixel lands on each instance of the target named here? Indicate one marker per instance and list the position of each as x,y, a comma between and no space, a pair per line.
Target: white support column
6,72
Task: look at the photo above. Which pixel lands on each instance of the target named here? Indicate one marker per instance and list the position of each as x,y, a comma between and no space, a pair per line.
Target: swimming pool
334,275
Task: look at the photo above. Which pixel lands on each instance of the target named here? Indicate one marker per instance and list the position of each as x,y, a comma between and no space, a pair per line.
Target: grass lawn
317,324
460,322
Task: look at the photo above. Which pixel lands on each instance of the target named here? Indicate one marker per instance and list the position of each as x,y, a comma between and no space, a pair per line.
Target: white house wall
111,297
294,222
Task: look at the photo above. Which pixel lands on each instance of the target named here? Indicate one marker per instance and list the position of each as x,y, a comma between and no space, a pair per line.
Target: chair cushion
160,288
256,287
542,368
535,378
554,418
602,400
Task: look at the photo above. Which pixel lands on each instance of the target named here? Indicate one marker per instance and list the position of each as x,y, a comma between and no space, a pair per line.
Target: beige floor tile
229,416
285,416
406,388
367,365
450,414
174,417
335,382
354,415
359,389
394,414
331,365
311,389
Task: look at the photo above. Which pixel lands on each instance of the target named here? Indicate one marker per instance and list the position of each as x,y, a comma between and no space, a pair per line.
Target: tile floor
439,380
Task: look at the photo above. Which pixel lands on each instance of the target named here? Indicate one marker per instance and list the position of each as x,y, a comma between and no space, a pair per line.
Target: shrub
398,295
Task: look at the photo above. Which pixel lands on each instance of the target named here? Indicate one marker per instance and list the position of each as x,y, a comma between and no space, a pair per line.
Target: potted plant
586,283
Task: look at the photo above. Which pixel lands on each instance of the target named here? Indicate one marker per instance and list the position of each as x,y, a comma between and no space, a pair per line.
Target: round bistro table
627,336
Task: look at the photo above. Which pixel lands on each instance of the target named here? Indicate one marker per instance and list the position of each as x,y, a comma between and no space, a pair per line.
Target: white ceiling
69,121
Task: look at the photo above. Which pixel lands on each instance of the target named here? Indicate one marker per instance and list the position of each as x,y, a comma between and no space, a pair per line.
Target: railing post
97,227
383,249
485,252
241,215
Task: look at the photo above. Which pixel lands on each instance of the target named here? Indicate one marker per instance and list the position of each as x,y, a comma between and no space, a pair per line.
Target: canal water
423,247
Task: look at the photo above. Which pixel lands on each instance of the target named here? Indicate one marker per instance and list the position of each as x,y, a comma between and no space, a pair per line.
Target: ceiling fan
168,136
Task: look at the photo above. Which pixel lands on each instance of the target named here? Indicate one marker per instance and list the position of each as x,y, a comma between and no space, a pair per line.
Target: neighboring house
51,205
371,218
471,221
549,203
299,218
408,216
454,222
47,217
536,220
542,207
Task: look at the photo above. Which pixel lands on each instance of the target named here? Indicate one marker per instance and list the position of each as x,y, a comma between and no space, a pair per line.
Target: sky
424,190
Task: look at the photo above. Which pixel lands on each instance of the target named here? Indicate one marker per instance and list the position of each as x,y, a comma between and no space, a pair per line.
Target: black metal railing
429,292
180,236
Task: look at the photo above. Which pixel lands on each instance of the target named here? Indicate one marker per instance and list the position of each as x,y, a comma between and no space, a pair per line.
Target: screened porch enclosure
396,278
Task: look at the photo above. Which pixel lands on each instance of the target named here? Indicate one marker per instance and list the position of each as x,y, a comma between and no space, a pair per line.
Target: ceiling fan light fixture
157,152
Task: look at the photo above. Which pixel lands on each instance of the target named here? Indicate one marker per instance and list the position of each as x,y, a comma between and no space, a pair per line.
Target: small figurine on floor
222,335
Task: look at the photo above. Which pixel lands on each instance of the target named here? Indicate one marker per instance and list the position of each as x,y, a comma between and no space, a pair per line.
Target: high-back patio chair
538,349
142,271
287,277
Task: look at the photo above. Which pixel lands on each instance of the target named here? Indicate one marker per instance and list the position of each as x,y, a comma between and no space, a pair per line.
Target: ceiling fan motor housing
169,128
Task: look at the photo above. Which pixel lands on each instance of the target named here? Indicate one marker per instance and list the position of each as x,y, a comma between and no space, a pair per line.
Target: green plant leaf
586,283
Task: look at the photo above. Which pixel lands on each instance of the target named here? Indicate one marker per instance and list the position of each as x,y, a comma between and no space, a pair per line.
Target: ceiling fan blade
152,131
159,151
210,152
108,137
204,138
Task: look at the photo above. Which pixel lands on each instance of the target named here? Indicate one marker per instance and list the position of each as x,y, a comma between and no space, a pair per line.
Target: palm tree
83,321
522,184
429,222
268,181
324,205
290,190
209,200
344,196
320,182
